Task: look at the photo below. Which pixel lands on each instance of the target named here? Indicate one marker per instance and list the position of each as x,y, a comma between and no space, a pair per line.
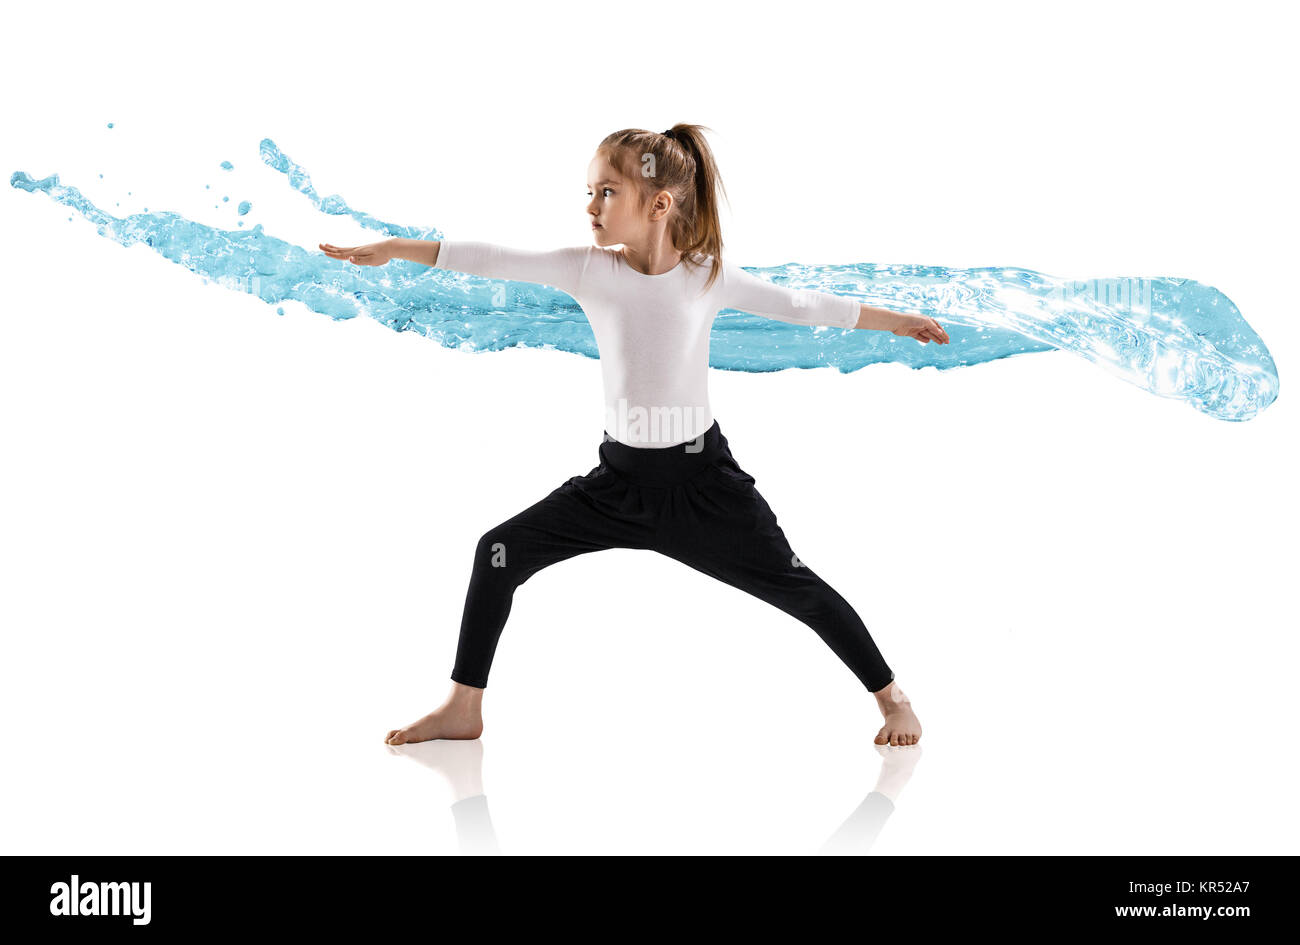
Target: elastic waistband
664,465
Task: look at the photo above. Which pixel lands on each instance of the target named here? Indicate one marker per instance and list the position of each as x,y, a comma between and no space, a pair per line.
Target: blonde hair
683,165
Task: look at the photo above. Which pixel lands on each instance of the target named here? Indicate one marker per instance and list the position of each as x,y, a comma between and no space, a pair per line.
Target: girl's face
613,210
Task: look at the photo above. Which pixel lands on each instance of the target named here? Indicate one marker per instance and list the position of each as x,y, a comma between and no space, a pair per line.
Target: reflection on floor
461,764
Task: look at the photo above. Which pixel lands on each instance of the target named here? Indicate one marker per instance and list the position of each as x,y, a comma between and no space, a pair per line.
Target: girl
666,479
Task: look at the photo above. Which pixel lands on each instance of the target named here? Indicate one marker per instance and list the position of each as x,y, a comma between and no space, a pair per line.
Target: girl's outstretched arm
376,254
561,268
371,254
921,327
746,292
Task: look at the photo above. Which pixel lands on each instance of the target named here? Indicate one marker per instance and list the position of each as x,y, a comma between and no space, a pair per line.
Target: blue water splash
1176,338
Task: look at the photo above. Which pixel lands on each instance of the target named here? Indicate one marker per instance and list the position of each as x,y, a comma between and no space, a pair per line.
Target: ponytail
681,162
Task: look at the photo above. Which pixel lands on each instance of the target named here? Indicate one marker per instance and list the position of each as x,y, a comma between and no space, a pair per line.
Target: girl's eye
603,191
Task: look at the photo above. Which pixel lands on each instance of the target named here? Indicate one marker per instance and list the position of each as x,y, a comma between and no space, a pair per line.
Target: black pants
691,502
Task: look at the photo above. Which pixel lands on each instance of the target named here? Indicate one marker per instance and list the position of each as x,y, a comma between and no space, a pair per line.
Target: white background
235,546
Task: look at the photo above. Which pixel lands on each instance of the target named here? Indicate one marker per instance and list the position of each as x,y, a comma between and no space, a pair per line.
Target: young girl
666,479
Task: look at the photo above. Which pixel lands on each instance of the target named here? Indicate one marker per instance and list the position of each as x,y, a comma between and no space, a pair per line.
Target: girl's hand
372,254
921,327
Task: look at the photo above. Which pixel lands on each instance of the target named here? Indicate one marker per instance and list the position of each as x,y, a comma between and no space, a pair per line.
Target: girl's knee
495,548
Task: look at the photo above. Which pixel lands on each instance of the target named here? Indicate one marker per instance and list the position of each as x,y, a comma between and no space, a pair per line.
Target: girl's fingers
358,255
935,330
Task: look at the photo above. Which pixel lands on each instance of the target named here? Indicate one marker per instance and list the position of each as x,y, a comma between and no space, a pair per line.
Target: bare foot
901,727
461,716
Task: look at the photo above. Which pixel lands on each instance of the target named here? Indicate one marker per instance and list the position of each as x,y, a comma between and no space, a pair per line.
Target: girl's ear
662,204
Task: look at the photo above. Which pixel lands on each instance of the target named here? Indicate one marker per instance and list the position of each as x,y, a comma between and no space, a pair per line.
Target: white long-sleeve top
652,331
